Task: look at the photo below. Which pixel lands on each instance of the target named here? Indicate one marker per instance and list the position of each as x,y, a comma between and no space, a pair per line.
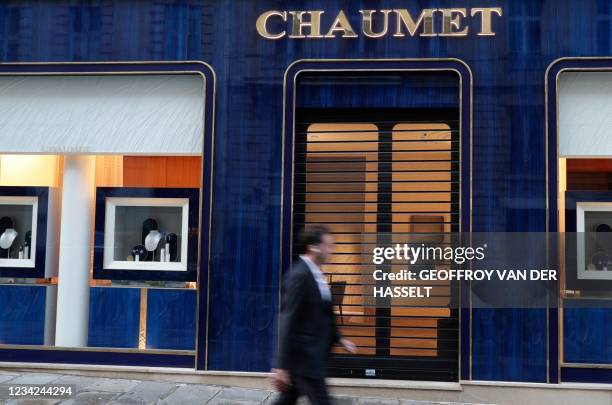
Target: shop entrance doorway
369,174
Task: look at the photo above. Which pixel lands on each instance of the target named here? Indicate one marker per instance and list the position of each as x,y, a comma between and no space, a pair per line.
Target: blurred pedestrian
307,323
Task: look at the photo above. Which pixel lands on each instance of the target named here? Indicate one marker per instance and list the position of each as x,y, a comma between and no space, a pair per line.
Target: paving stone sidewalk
95,390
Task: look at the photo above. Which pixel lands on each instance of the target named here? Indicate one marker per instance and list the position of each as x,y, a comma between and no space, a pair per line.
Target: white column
52,255
78,196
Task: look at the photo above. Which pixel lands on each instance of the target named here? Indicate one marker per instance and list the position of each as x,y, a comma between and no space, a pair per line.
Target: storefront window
107,211
585,218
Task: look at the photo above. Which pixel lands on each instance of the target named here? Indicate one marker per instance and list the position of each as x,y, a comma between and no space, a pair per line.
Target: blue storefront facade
501,78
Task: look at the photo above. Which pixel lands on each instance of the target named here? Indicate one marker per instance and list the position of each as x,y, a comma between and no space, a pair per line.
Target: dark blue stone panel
97,357
509,344
171,319
114,317
587,335
586,375
22,314
378,90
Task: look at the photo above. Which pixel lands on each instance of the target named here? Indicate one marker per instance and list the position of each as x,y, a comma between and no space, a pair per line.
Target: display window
133,273
100,227
584,203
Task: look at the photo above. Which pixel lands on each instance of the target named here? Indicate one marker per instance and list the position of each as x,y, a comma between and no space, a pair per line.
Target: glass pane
154,228
16,231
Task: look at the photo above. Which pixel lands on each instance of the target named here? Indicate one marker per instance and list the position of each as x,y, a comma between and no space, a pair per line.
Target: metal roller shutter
371,175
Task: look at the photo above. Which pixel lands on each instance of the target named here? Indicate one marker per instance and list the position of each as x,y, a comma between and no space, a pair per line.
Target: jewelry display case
588,256
594,251
23,232
146,234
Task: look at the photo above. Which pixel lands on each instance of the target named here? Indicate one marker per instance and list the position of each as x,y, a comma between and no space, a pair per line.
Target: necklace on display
6,240
148,225
139,253
152,241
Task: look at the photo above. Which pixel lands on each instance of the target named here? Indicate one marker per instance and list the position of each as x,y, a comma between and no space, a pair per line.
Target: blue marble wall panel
586,375
587,335
102,357
509,344
22,314
382,90
171,319
114,317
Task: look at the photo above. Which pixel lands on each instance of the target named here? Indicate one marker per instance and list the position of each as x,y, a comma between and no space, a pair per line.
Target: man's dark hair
311,235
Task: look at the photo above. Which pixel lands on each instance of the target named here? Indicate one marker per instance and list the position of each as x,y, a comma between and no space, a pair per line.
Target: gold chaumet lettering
367,23
298,23
262,22
405,20
486,29
454,22
341,24
451,22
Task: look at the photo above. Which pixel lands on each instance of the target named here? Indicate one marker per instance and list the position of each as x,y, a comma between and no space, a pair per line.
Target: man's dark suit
307,332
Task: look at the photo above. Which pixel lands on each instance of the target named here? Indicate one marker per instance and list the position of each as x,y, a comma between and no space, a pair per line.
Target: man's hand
280,379
348,345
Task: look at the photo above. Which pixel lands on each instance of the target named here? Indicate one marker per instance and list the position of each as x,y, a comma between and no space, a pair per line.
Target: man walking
307,323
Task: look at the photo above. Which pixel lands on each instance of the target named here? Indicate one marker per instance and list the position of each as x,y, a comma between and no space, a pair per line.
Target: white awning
585,114
118,114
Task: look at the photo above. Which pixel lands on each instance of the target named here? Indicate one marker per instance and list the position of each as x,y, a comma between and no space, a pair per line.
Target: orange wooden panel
418,322
422,155
397,187
414,352
425,146
184,171
144,171
421,207
357,331
414,343
408,218
589,165
161,171
421,176
426,223
341,187
370,351
414,332
341,207
347,146
419,197
420,166
407,312
342,197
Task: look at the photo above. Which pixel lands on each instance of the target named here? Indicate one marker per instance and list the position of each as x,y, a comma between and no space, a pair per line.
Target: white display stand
585,233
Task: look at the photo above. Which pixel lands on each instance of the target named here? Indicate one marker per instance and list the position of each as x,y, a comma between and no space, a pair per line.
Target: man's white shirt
319,277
